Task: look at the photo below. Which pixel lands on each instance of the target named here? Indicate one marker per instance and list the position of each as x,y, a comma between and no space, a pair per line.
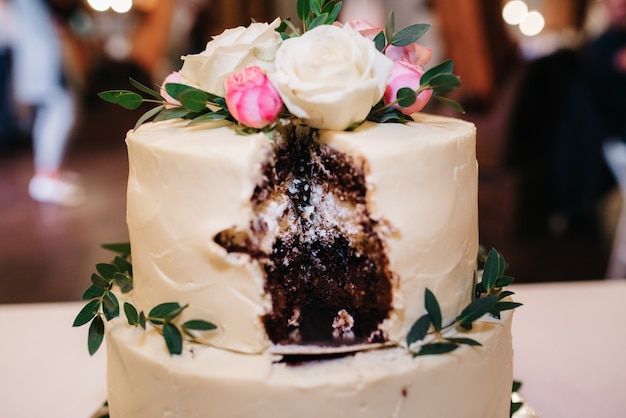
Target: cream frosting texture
144,381
187,184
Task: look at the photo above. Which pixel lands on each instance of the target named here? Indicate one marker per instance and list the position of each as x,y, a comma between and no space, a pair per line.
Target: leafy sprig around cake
263,75
489,298
104,306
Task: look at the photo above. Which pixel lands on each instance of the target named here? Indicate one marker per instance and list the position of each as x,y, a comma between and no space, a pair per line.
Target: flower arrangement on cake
326,75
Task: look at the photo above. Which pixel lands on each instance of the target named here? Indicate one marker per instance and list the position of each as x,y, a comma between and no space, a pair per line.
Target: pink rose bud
251,99
414,53
365,28
175,77
405,74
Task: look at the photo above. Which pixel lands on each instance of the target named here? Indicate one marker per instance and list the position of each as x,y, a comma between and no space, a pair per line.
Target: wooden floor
47,253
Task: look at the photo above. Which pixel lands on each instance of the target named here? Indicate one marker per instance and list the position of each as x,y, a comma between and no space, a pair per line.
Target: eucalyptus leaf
110,306
433,309
122,248
410,34
132,316
390,26
173,338
504,306
318,21
494,267
503,281
122,264
446,67
475,310
406,97
505,294
316,7
173,113
436,348
99,282
462,340
150,113
199,325
450,103
87,313
380,42
124,281
142,320
444,83
93,292
334,12
106,270
167,310
95,335
125,98
419,330
145,89
302,9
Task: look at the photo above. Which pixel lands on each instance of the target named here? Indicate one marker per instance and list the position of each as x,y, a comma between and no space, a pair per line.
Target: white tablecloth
569,340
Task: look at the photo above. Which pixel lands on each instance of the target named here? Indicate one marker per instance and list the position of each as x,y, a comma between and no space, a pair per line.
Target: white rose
232,51
330,77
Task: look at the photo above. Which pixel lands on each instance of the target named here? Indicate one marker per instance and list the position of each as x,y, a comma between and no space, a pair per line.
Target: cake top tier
326,74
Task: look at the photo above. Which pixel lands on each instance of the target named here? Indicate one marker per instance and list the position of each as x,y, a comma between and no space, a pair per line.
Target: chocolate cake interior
323,256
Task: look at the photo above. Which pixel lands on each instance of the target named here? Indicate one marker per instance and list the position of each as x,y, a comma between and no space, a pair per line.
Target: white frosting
188,184
144,381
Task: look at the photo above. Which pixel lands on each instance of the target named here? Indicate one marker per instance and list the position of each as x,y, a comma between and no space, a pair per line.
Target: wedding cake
303,242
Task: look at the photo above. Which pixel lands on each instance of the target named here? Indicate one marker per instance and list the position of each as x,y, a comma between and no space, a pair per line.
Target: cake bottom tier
145,381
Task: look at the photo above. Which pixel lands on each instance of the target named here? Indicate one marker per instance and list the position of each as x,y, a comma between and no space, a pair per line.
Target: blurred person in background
39,82
9,132
594,110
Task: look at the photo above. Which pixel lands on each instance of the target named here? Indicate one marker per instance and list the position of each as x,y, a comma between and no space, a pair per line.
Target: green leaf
475,310
443,83
461,340
106,270
124,281
148,115
318,21
86,314
131,314
167,311
380,42
504,306
334,12
517,385
99,281
173,338
125,98
406,97
302,9
122,248
505,294
316,7
410,34
199,325
450,103
433,309
446,67
122,264
390,26
436,348
145,89
173,113
503,281
419,330
494,267
142,320
193,99
95,335
110,306
93,292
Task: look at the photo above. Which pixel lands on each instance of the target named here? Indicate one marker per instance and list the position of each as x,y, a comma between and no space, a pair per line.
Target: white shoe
56,190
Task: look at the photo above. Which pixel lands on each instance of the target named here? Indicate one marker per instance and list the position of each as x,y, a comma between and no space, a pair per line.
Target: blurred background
531,81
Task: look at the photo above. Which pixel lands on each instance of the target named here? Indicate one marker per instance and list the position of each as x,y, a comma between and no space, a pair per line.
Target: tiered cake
334,254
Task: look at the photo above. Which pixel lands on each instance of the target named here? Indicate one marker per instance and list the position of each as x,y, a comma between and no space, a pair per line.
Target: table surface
569,341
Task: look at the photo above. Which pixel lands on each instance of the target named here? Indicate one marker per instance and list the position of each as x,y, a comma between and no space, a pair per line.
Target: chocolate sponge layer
323,256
